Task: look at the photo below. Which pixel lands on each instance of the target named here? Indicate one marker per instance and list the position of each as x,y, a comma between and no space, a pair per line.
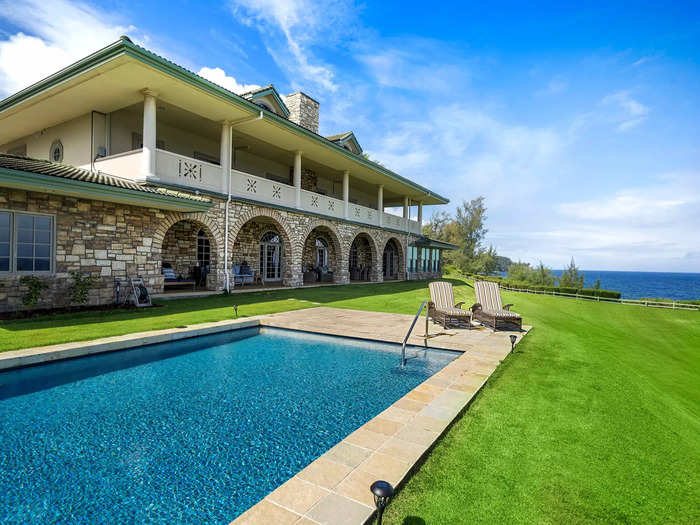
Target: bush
81,286
34,288
608,294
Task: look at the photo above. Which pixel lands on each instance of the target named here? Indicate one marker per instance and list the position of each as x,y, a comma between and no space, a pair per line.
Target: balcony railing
172,168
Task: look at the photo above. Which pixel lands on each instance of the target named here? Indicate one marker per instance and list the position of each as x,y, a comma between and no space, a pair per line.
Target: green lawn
596,417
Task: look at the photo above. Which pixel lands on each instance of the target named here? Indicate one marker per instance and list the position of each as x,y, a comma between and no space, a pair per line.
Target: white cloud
219,76
627,111
292,27
53,34
554,86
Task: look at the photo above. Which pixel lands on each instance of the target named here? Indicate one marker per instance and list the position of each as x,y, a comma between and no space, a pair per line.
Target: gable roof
265,91
44,176
344,138
125,49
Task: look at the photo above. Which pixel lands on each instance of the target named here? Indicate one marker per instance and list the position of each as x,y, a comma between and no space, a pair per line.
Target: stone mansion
124,164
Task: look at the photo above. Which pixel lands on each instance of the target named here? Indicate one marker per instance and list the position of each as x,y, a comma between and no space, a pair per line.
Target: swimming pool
194,431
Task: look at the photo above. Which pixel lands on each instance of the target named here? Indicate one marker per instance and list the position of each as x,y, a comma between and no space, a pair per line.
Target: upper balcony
188,154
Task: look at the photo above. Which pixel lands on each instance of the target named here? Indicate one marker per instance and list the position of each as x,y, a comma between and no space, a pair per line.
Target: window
424,259
353,255
26,242
272,237
56,151
5,238
203,249
412,263
321,252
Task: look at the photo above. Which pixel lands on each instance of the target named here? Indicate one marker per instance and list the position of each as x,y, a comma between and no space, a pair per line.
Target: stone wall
303,110
115,242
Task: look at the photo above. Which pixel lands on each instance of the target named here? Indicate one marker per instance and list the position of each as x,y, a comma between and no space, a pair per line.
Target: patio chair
242,278
442,307
490,310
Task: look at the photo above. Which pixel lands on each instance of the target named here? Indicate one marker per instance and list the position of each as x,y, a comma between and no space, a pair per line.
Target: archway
189,255
262,244
362,259
321,256
392,260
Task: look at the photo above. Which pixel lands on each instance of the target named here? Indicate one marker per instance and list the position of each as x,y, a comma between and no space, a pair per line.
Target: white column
346,194
420,214
148,157
297,177
405,211
225,156
380,203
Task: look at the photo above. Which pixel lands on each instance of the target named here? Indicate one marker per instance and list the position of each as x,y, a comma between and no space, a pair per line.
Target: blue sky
579,125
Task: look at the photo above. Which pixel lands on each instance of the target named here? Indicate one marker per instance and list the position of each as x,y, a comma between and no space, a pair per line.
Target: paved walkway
334,489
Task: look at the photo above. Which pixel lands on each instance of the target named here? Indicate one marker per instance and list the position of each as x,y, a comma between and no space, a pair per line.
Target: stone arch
216,278
339,253
400,264
246,223
374,254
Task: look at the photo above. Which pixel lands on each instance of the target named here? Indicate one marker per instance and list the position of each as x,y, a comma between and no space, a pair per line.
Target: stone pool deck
334,489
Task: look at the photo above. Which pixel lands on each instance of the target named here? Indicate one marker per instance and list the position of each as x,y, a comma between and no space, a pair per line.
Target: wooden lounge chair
442,307
490,310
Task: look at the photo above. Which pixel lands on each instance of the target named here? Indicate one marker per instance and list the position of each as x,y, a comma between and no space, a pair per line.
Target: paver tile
335,509
385,467
325,473
347,454
420,436
366,438
397,414
265,513
383,426
356,486
297,495
403,450
409,404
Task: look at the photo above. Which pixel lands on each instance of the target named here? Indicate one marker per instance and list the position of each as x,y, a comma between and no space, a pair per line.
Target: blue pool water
195,431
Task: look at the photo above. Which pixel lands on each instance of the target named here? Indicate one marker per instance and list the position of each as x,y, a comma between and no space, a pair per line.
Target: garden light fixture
382,492
513,338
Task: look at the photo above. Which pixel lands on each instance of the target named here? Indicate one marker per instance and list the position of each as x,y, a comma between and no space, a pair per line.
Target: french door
271,261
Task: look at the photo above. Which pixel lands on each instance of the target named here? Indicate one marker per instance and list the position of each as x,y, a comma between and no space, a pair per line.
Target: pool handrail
405,339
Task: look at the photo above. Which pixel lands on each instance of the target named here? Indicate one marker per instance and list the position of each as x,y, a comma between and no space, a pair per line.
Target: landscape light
382,492
235,310
512,341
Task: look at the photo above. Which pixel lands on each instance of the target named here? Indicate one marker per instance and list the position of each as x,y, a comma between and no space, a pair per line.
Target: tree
570,278
543,275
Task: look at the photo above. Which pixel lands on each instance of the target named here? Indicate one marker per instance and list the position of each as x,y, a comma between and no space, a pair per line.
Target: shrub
81,286
34,288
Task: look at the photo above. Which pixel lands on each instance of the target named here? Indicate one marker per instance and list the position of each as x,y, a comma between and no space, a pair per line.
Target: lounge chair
242,278
442,307
490,310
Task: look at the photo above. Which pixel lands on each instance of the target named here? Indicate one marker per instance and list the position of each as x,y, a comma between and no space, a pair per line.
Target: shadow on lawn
320,295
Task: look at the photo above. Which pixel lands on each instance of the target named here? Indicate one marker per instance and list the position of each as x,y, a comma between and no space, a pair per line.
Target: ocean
633,285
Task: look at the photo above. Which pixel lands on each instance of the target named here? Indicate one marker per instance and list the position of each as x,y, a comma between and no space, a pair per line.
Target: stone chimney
303,110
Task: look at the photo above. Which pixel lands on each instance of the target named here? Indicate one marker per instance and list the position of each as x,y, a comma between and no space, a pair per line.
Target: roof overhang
39,183
272,93
113,78
425,242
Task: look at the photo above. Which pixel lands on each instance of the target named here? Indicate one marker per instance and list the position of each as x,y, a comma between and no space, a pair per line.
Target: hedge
592,292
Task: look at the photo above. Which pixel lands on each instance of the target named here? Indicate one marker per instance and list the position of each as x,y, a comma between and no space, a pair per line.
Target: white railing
173,168
317,203
186,171
673,305
363,214
260,189
127,164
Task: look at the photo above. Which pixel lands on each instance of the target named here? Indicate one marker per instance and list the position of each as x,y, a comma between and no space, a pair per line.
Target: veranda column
297,177
420,214
346,194
380,203
148,156
405,209
225,156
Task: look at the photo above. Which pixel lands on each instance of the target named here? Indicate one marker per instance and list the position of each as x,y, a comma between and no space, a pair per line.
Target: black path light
382,492
235,310
513,338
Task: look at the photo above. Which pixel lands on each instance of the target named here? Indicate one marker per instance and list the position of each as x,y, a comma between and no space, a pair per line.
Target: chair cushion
169,273
455,312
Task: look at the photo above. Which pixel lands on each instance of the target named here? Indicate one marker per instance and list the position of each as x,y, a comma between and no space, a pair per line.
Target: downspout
228,203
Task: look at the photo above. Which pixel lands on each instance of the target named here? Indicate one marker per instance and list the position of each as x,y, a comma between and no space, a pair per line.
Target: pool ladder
405,339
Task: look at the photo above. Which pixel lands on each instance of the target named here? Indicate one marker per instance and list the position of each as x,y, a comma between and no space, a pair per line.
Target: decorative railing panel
317,203
261,189
186,171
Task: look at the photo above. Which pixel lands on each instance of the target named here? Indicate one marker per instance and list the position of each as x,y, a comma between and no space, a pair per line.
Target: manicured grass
595,418
401,297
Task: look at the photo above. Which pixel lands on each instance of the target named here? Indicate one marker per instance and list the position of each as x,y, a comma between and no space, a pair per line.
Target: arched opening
260,253
187,256
362,258
392,260
320,256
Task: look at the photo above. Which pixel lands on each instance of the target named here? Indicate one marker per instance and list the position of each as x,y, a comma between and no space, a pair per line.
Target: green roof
425,242
15,170
124,46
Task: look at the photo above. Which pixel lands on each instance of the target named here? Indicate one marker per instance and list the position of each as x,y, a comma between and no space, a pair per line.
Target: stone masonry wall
116,242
